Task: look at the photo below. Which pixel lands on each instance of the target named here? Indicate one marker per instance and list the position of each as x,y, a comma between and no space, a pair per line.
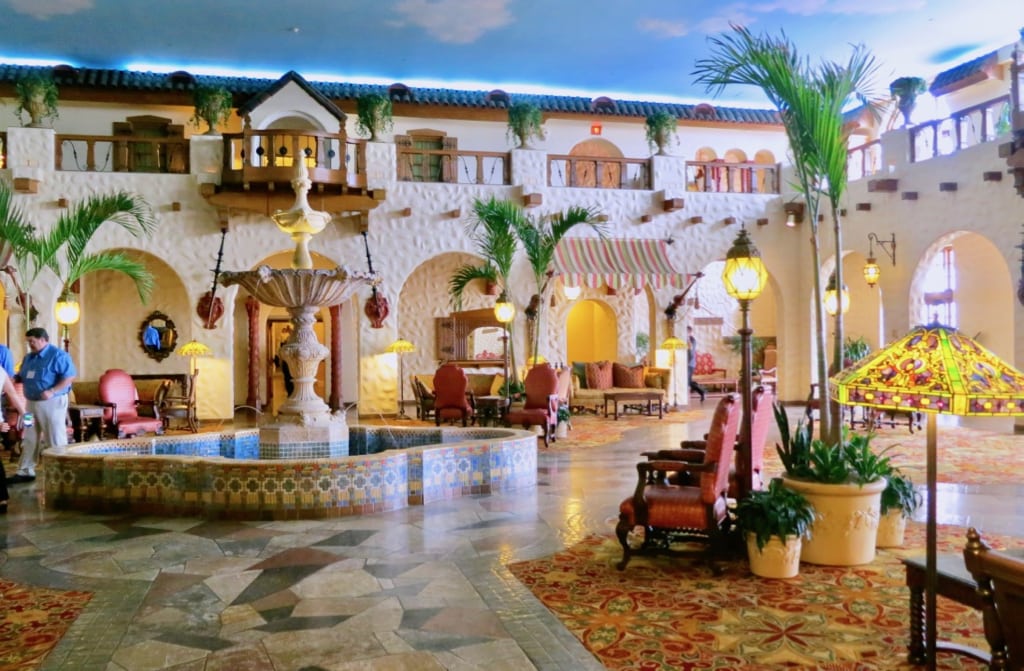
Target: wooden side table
86,420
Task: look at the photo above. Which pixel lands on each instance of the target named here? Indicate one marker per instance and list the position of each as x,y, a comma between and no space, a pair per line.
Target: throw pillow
497,384
599,375
579,370
654,381
628,377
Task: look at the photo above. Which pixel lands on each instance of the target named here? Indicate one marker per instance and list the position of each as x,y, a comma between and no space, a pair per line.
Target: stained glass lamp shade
933,369
193,349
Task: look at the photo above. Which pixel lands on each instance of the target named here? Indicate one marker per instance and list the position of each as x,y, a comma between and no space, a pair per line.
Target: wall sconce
872,272
595,128
794,213
572,292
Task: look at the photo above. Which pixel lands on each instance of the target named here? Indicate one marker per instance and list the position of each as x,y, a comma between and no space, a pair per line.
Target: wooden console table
651,398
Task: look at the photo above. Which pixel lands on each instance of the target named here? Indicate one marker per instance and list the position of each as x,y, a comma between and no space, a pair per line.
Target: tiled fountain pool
218,475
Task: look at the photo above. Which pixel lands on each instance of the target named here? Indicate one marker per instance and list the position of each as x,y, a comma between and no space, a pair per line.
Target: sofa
613,377
707,375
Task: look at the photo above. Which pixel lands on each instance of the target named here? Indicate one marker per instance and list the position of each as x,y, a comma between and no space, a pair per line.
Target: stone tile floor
418,589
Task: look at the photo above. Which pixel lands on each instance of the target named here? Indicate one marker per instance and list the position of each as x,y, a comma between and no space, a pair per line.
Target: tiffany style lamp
933,369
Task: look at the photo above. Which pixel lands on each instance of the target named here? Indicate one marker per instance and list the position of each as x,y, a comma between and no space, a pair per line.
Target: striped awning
619,263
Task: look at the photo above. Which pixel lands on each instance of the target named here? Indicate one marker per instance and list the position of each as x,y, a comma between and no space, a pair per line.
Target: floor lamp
744,277
673,343
933,369
400,347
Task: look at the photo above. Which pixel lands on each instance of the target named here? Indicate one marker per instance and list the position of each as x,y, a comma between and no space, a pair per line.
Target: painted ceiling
625,49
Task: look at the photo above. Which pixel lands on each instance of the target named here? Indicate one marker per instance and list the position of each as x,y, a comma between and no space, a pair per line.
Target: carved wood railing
268,156
727,177
599,172
864,160
965,128
122,153
453,166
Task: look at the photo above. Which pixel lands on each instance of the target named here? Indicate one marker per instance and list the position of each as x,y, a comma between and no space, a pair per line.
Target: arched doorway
590,173
591,332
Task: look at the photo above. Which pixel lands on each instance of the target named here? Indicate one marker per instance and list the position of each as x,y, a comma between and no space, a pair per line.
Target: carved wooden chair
450,400
693,450
181,405
541,406
118,388
1000,580
424,398
673,513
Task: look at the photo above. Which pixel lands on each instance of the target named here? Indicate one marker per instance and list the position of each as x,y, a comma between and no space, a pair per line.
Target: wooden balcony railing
599,173
864,160
453,166
964,128
122,153
268,156
725,177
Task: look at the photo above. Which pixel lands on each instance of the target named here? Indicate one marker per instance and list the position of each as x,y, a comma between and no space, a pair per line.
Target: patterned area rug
664,614
32,621
965,456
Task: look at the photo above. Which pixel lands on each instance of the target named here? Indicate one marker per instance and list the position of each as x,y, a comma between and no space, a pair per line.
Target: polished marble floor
417,589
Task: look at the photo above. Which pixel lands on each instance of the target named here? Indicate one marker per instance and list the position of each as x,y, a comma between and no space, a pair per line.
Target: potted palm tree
373,115
37,96
525,122
899,501
660,128
212,106
773,522
906,90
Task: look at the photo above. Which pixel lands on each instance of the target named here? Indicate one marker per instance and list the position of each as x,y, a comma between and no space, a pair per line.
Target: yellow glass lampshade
504,310
872,272
744,275
67,311
673,343
401,346
193,348
834,299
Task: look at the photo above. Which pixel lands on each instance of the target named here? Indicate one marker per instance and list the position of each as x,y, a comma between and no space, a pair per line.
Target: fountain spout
301,222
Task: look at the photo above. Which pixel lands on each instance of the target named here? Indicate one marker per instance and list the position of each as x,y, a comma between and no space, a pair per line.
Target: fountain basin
218,475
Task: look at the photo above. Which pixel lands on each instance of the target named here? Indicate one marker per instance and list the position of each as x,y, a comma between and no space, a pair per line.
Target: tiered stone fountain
304,427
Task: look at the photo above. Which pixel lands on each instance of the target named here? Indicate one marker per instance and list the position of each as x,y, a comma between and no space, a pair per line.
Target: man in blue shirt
46,374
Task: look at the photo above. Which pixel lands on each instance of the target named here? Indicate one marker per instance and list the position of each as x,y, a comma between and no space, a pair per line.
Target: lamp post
400,347
67,312
673,343
505,312
744,277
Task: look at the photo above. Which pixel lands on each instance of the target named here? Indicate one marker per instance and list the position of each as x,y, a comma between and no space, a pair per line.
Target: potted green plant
773,522
212,106
660,128
373,115
37,96
855,349
525,122
905,90
562,428
899,501
844,483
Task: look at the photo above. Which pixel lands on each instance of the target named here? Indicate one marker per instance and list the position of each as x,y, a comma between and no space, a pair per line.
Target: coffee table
953,581
651,398
490,409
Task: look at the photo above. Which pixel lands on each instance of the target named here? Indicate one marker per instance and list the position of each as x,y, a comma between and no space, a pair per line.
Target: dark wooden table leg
916,651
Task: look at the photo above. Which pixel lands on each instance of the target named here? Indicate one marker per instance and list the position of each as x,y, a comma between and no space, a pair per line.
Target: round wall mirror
158,336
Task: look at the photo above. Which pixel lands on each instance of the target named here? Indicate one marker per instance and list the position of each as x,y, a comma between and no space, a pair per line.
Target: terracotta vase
210,309
377,310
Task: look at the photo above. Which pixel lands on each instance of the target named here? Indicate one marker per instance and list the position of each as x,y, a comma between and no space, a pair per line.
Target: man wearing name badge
46,374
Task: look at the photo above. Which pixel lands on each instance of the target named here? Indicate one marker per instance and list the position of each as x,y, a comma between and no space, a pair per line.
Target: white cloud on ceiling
455,21
812,7
662,27
44,9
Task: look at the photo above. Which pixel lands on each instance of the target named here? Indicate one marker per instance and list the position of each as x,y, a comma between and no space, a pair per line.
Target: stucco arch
592,331
611,173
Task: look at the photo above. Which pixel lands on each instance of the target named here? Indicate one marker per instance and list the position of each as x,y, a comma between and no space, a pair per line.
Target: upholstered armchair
450,400
541,406
670,513
118,388
1000,584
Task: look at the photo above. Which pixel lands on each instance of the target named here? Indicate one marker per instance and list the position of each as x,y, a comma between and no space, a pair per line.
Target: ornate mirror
158,336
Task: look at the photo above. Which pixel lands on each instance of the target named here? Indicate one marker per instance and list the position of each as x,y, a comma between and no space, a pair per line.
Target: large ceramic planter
891,528
845,525
776,559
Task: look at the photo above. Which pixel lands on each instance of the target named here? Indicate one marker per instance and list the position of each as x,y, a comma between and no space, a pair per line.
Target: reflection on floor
421,588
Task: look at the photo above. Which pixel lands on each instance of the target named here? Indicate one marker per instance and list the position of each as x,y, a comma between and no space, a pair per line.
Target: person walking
12,397
46,375
691,363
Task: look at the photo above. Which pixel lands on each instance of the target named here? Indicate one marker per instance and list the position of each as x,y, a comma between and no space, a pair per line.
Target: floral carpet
663,614
32,621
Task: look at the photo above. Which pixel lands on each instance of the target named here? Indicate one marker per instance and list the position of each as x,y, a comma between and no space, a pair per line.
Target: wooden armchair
181,405
1000,580
450,400
541,406
424,398
118,388
672,513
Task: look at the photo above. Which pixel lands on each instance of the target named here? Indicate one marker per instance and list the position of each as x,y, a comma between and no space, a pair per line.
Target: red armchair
450,401
541,406
118,388
671,513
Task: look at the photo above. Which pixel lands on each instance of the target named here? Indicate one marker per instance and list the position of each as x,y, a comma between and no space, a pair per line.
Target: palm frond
112,261
493,232
464,275
75,228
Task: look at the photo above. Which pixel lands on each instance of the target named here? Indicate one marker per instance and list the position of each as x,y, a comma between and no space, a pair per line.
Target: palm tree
63,248
810,101
539,238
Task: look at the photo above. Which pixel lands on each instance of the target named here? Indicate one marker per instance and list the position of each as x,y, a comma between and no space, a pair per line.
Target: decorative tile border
216,475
